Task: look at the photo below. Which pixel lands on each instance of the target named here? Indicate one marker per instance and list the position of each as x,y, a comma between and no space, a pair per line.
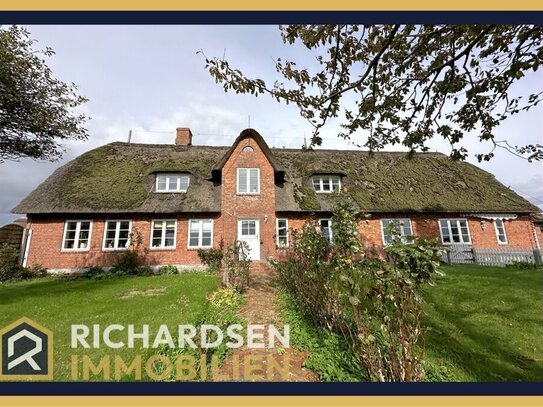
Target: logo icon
26,351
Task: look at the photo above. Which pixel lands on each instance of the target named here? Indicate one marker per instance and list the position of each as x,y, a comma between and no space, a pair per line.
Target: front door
249,232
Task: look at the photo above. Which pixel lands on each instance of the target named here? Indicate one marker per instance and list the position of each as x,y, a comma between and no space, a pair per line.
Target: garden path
261,307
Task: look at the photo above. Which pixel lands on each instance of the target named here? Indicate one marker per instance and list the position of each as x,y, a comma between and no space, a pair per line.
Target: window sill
158,249
449,244
123,249
248,193
170,192
194,248
74,250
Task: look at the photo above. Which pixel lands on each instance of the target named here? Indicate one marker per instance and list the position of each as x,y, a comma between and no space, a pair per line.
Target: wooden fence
465,254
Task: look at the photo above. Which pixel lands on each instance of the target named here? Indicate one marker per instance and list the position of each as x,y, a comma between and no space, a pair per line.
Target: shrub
168,269
523,265
35,271
225,297
131,261
96,273
9,263
212,257
373,301
221,310
236,267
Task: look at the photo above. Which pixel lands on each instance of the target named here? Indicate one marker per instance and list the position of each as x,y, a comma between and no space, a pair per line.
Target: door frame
256,238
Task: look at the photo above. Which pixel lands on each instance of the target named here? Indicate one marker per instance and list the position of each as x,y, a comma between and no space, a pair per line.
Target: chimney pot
183,137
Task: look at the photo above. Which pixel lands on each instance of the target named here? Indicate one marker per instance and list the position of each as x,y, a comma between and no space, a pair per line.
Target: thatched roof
119,178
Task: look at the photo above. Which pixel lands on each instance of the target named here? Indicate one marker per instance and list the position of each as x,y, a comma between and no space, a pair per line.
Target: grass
486,324
329,354
59,303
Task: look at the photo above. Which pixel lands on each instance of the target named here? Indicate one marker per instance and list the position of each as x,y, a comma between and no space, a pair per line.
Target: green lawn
486,324
59,303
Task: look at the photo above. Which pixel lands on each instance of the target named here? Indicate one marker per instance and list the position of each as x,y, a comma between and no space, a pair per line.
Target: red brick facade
47,232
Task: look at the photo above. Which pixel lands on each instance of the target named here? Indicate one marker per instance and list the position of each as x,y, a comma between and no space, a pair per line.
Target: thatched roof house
119,180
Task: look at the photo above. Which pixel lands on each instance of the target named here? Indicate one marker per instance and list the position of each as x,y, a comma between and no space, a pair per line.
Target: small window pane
242,180
500,231
253,181
183,183
161,183
200,233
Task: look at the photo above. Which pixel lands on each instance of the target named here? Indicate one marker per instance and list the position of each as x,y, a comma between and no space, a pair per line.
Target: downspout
534,232
27,247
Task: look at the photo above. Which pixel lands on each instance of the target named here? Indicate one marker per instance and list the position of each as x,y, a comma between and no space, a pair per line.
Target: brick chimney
184,137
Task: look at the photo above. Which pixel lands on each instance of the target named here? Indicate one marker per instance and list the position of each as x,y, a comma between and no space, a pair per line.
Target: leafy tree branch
36,109
405,84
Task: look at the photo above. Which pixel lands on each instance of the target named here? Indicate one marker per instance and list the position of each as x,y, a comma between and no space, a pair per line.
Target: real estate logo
26,351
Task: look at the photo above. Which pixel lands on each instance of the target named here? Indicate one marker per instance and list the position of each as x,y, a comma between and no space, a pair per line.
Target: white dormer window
326,183
172,182
248,181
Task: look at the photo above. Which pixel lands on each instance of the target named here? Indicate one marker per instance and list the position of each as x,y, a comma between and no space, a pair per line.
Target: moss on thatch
306,198
392,182
119,177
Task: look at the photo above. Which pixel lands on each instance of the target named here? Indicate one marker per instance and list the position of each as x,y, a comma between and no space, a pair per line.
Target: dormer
326,183
172,182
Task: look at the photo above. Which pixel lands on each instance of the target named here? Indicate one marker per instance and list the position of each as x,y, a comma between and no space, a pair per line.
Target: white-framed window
403,226
77,235
326,229
172,182
500,231
281,233
200,233
454,231
117,234
163,234
248,181
326,183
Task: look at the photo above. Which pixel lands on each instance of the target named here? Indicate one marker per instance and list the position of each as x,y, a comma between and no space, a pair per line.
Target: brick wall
47,233
519,231
261,206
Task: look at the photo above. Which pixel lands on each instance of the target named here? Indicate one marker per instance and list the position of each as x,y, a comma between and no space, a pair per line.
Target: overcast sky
149,79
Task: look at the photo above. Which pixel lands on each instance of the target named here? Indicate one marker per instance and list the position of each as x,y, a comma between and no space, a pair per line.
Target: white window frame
200,234
76,240
163,236
329,227
168,189
248,192
498,234
117,229
320,178
383,227
277,232
448,220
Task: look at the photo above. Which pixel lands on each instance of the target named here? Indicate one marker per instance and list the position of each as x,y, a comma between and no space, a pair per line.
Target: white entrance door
249,232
